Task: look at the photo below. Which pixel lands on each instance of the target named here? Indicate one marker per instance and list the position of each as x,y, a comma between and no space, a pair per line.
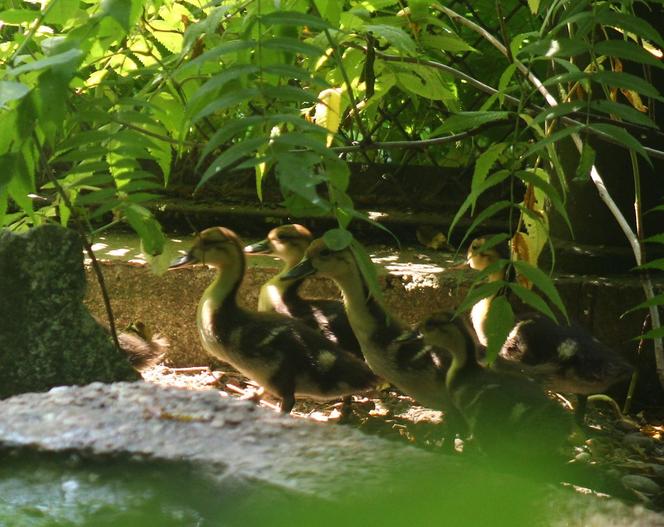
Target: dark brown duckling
289,243
564,358
509,415
280,353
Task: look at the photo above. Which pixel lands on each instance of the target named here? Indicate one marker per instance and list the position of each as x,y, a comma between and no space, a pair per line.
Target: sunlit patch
118,252
99,246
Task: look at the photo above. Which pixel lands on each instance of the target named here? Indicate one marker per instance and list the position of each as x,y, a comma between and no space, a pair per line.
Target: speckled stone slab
47,336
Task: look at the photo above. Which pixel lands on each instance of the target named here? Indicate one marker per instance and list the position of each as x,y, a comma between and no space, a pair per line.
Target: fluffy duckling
280,353
416,369
144,349
508,414
289,243
564,358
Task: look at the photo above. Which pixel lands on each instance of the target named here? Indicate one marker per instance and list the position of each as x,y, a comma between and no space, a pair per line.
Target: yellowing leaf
635,100
328,111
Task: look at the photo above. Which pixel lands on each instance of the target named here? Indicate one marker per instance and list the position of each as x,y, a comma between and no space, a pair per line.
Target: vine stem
88,249
605,196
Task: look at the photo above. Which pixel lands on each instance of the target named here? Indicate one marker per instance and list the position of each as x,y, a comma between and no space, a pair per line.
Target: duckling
508,414
144,349
416,369
280,353
564,358
289,243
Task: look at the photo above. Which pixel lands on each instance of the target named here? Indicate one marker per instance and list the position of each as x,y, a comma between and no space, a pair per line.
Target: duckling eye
325,253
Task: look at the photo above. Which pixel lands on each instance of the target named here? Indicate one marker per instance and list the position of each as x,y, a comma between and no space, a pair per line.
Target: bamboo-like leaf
292,45
11,91
657,300
147,227
462,121
294,18
657,238
654,264
476,294
499,323
17,17
560,110
626,49
67,57
634,24
228,100
532,299
550,191
491,210
626,81
225,48
218,81
655,333
543,282
288,93
367,268
483,164
230,156
553,138
628,113
623,137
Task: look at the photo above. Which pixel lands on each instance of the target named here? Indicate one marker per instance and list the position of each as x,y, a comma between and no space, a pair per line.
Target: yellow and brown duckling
508,414
289,243
564,358
280,353
415,368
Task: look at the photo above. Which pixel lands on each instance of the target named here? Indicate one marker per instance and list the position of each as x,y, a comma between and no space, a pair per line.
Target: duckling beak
409,336
304,268
183,261
262,247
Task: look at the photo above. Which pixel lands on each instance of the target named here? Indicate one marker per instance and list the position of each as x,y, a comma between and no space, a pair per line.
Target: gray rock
47,336
639,441
140,454
641,484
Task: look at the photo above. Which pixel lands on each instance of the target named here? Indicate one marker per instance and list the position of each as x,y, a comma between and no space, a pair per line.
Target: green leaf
230,156
16,17
499,323
394,36
461,121
560,110
68,57
553,138
657,238
337,239
147,227
426,82
633,24
476,294
626,112
627,50
655,333
542,281
367,269
626,81
11,91
657,300
225,48
449,42
554,47
217,82
586,162
229,100
623,137
124,12
292,45
294,18
655,264
484,163
532,299
61,12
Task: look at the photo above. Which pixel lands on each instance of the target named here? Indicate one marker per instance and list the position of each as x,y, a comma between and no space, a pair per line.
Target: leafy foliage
100,101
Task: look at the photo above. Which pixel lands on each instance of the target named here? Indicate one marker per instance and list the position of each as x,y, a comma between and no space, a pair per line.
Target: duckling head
216,246
287,242
479,259
444,330
321,260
